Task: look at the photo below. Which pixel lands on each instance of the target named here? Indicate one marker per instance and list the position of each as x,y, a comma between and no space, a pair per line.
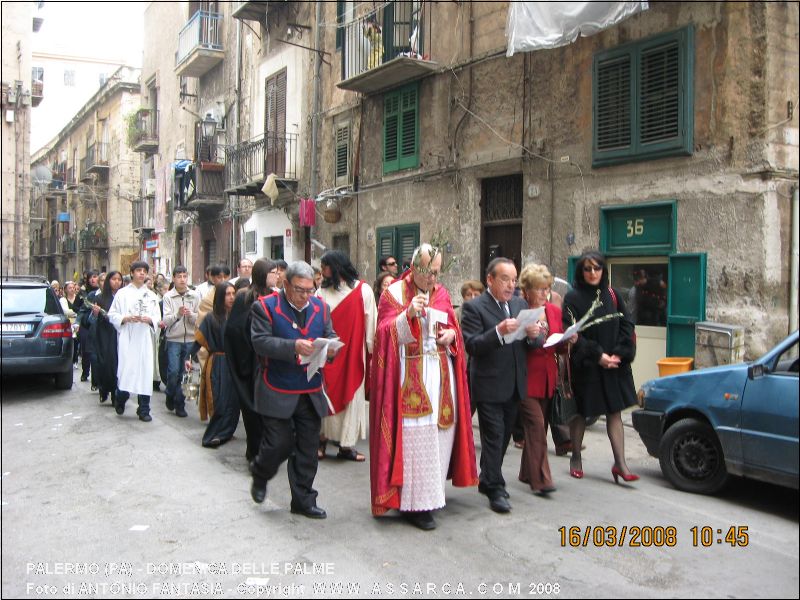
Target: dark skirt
225,419
104,367
601,391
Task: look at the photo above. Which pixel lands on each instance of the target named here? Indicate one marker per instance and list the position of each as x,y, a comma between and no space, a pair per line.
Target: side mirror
755,371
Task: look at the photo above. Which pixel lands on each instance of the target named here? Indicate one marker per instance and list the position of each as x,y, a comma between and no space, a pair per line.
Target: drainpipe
314,120
794,262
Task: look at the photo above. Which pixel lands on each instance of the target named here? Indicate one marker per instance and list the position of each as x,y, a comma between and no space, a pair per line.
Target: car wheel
64,380
691,457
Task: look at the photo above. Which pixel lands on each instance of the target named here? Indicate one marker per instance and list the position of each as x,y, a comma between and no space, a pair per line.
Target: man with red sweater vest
291,406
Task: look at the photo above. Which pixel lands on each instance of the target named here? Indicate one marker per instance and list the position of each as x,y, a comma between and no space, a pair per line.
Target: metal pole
793,291
314,120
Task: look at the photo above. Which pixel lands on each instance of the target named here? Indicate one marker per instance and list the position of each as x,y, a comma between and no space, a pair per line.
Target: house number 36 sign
635,227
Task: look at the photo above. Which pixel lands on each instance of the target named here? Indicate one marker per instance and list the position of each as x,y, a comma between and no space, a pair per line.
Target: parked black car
36,334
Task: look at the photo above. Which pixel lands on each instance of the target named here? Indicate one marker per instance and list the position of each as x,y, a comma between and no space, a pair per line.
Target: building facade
81,218
669,141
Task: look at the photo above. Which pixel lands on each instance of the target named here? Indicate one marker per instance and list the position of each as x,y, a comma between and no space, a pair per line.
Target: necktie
505,308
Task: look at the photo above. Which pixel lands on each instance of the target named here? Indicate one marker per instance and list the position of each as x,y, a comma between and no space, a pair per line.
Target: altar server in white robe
135,315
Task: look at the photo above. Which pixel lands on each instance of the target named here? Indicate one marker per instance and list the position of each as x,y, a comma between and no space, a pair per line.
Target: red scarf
345,375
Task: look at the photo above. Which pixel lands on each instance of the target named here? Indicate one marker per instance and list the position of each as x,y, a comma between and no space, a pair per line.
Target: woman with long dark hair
210,335
104,338
354,315
240,354
602,379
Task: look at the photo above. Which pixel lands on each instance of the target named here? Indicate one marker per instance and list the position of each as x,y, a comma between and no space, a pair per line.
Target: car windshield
22,301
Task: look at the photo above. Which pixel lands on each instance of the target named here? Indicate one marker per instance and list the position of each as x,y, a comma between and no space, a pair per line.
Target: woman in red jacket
535,281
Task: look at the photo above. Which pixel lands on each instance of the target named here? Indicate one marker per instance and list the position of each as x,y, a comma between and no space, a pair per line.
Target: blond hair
535,276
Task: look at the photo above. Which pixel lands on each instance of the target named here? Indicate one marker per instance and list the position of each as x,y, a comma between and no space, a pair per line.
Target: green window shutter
686,301
409,139
343,154
659,93
613,104
385,245
643,106
339,23
407,241
391,132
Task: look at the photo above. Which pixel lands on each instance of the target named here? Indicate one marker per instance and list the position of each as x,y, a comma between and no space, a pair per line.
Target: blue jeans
177,354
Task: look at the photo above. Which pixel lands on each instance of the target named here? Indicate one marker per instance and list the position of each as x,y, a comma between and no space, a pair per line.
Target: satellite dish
41,175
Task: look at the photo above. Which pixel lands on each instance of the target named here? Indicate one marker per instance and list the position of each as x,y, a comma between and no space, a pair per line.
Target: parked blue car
738,419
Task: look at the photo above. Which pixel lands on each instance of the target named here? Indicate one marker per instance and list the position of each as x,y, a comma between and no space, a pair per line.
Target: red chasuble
386,406
344,375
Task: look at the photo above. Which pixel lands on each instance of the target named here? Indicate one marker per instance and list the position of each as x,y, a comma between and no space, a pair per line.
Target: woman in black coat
104,339
239,350
602,379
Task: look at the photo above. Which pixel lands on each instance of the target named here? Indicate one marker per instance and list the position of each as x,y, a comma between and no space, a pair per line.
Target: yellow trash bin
674,365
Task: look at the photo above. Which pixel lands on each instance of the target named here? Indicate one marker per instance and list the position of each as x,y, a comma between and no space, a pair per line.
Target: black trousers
252,428
295,439
496,421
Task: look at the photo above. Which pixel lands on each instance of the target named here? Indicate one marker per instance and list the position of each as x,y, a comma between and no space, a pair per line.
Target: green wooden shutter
407,241
686,301
339,23
385,243
658,93
613,103
571,262
391,132
342,154
409,138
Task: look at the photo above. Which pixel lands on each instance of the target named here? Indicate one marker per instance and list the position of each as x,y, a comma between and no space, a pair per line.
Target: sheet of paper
525,318
317,358
571,330
435,316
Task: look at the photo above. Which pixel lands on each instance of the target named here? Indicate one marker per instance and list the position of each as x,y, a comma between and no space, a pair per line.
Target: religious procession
316,358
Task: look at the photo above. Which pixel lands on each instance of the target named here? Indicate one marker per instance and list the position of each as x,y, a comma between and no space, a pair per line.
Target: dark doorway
501,219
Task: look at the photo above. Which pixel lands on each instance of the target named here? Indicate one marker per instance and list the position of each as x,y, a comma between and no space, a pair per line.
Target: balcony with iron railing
97,158
387,47
37,92
71,179
93,236
144,137
143,210
248,164
200,45
250,11
68,243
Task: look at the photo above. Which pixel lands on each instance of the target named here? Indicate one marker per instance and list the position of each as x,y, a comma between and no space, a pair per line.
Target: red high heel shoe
576,473
627,478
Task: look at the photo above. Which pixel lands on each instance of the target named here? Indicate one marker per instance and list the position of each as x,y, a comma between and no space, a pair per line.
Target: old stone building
669,141
81,218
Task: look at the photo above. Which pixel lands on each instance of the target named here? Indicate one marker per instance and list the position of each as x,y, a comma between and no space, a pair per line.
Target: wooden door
275,125
501,215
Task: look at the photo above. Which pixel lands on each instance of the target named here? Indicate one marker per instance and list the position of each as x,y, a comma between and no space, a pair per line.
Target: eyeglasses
590,268
391,264
539,290
425,272
506,279
303,291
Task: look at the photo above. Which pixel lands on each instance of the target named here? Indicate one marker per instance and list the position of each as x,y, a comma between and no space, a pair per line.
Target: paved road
96,505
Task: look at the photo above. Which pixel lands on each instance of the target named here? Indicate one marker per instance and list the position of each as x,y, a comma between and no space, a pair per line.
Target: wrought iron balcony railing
145,131
252,161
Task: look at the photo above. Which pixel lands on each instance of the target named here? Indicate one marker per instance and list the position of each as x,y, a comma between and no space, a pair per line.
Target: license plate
16,327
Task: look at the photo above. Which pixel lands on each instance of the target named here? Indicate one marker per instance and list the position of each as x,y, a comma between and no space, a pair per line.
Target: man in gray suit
498,371
291,406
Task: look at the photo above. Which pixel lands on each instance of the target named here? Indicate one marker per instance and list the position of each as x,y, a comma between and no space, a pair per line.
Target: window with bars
643,99
401,129
342,154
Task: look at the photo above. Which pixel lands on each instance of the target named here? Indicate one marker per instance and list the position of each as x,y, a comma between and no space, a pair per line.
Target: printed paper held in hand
320,354
525,318
571,330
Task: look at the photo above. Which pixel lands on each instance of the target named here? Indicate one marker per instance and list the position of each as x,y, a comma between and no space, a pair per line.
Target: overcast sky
93,29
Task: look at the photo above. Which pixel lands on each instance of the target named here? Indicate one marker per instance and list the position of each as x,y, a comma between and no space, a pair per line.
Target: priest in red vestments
420,420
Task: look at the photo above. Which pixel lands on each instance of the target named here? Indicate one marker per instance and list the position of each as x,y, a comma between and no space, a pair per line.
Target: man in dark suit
291,406
497,371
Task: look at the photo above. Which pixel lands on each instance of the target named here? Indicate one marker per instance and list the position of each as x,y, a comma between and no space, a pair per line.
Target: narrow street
96,505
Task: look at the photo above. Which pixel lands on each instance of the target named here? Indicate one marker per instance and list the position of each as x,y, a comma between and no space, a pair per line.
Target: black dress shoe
421,519
545,491
312,512
145,418
487,492
84,378
170,403
181,412
499,504
119,407
258,492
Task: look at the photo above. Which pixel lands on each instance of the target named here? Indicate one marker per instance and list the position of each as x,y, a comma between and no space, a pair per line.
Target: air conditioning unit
150,187
717,344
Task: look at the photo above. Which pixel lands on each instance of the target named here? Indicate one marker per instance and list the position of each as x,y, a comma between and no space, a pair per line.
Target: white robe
349,425
135,340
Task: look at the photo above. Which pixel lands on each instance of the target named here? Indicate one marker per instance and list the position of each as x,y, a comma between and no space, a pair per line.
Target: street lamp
209,125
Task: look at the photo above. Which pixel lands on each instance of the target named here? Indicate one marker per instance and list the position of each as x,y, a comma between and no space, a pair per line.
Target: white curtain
538,25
